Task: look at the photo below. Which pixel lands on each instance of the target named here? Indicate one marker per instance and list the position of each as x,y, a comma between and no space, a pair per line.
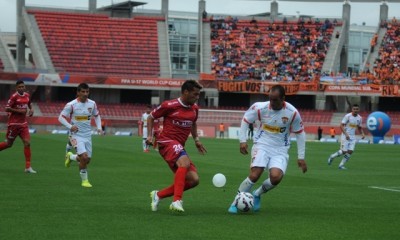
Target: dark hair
280,89
356,105
190,85
19,82
82,86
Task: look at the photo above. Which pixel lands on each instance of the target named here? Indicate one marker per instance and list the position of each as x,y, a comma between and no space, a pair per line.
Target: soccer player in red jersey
180,116
18,106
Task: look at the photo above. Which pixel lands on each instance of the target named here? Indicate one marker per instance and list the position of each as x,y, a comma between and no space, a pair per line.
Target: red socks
27,153
178,187
179,183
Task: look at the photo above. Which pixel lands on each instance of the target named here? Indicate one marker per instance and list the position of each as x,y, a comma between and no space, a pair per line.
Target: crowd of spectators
267,50
386,67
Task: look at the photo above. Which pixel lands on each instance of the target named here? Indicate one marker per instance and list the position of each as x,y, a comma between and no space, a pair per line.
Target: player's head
20,85
148,109
82,92
277,97
190,92
355,109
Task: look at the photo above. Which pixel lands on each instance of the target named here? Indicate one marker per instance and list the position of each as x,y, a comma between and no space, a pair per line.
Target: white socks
84,174
346,158
265,187
337,154
246,185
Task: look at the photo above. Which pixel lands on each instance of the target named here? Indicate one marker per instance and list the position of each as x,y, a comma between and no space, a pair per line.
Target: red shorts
17,130
171,151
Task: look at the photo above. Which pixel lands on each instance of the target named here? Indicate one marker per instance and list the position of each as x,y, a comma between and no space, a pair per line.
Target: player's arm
298,129
97,120
150,124
301,151
30,112
16,110
360,129
9,109
342,128
196,138
63,119
249,117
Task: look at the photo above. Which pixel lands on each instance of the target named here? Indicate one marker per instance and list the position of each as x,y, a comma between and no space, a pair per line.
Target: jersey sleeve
95,111
196,108
345,120
66,112
160,111
252,114
11,102
297,123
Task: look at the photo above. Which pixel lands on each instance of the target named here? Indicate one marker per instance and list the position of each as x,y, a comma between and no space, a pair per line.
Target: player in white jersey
276,119
144,128
80,112
350,123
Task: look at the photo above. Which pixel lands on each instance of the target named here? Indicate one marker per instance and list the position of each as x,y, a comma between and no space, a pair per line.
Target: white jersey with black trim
80,114
274,126
351,125
144,119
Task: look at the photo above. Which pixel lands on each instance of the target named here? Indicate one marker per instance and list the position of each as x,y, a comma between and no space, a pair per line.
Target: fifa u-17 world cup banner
61,79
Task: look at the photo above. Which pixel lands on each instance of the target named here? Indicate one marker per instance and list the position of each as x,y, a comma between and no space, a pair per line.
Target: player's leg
349,150
68,147
172,158
183,164
338,153
26,139
258,164
84,160
69,156
12,133
277,167
144,144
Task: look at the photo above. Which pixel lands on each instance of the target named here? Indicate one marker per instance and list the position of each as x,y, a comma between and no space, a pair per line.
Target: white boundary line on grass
386,189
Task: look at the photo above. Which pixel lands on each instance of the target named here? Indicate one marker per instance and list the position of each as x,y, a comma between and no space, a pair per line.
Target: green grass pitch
324,203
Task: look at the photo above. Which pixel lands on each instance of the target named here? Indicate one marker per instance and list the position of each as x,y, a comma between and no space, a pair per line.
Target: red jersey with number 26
178,120
18,101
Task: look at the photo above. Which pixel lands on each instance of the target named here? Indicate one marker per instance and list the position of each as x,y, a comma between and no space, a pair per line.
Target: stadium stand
272,51
97,44
107,111
386,66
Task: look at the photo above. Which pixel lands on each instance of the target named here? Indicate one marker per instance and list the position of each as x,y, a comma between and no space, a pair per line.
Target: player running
180,116
80,112
271,143
350,123
18,106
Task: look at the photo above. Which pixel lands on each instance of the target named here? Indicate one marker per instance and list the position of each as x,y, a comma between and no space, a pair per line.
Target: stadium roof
122,6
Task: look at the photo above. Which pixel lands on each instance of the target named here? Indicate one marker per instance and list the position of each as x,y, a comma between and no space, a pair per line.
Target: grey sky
360,12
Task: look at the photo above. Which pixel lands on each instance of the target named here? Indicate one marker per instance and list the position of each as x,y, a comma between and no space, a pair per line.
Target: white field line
385,188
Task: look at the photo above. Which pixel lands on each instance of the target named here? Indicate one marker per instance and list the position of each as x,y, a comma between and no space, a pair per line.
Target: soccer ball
244,201
219,180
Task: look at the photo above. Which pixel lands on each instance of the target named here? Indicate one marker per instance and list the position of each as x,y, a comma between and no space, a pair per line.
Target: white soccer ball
219,180
244,201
